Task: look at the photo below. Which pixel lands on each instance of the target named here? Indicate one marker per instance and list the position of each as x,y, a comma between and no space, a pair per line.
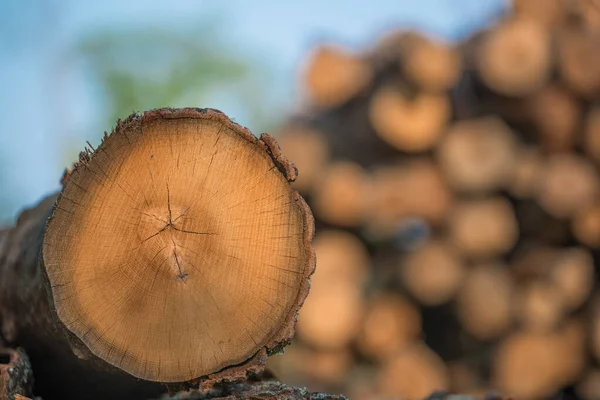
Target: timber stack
456,191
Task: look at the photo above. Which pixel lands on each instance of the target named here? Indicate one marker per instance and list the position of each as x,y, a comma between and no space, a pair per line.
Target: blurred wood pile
457,194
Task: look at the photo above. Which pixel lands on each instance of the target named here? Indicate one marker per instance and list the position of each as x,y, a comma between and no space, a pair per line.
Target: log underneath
249,390
177,252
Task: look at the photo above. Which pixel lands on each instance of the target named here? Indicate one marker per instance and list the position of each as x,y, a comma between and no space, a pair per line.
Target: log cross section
177,249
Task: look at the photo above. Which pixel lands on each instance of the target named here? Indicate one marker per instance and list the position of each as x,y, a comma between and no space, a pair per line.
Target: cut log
514,58
340,196
534,365
478,155
579,61
431,64
483,228
591,138
413,374
342,257
556,115
432,273
586,226
16,376
484,302
176,252
308,150
391,324
409,124
414,189
333,76
569,183
330,318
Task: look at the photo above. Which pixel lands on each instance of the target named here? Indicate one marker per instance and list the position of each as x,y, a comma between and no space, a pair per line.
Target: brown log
586,226
591,138
514,58
569,183
484,302
390,325
526,172
532,365
432,273
308,150
254,390
483,228
129,258
330,318
409,124
413,374
579,61
16,376
340,196
556,114
430,63
413,189
333,76
478,155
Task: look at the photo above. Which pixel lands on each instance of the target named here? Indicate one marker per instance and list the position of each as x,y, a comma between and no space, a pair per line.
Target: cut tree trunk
334,76
391,324
431,64
432,273
514,59
409,124
478,155
176,252
569,183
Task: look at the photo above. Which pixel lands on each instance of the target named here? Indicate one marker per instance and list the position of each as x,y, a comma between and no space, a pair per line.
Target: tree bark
16,378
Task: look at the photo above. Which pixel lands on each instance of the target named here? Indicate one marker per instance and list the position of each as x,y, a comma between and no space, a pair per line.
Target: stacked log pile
456,191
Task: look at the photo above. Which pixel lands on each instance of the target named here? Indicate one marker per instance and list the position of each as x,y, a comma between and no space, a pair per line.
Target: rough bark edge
256,390
16,377
269,145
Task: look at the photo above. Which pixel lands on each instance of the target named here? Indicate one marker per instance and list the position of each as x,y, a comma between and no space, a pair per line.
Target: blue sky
43,103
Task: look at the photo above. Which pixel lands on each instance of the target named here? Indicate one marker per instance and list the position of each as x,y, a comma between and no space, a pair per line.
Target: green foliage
150,68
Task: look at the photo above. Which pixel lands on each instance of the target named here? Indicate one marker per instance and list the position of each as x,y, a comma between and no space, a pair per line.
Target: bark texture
16,377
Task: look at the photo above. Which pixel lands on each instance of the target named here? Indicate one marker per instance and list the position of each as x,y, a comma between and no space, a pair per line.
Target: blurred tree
151,67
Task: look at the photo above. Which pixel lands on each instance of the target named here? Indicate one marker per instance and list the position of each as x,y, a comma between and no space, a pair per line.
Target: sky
45,101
